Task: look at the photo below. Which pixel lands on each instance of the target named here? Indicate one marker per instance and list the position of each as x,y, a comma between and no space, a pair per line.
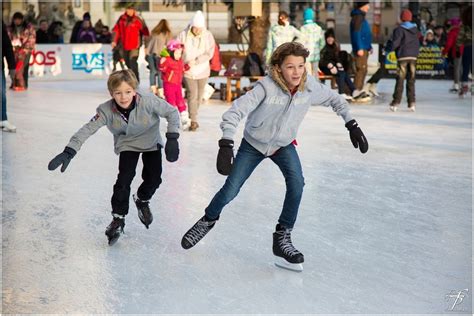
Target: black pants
151,176
406,70
131,60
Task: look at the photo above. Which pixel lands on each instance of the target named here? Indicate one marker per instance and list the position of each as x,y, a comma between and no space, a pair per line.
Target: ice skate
144,212
185,121
455,88
8,127
464,90
115,229
412,107
197,232
287,256
394,107
361,97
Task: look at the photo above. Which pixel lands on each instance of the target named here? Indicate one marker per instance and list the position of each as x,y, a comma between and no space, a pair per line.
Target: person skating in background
128,31
361,40
134,120
280,33
172,69
159,38
454,52
330,64
9,56
23,40
275,108
465,39
406,45
312,37
198,51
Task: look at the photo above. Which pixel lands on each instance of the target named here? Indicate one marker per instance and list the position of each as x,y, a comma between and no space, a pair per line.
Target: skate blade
282,263
113,239
144,222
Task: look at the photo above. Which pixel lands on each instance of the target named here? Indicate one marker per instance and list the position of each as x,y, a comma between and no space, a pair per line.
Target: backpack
253,65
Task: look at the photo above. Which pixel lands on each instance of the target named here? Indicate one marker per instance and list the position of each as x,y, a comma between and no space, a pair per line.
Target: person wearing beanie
406,45
127,33
454,52
77,27
311,36
274,110
280,33
361,40
199,46
331,64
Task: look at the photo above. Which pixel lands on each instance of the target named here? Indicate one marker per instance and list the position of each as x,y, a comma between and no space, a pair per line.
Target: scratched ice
385,232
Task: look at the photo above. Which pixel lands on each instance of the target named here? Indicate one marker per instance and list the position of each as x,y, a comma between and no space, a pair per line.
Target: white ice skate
185,120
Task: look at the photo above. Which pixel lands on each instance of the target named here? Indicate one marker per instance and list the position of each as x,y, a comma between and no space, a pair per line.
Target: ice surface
385,232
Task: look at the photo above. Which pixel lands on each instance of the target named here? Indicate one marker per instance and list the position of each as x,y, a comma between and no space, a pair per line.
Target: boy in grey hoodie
134,120
275,108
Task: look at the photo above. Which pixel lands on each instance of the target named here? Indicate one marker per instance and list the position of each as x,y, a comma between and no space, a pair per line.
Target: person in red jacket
128,31
172,68
454,52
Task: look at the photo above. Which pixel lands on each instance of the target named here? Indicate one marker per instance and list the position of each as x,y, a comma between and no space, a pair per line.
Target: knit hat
174,44
308,14
455,21
198,20
359,4
406,15
329,33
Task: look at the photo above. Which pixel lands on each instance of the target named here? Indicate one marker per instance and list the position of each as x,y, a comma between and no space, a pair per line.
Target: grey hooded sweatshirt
274,114
141,133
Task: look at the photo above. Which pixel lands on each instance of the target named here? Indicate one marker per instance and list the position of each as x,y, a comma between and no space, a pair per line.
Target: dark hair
162,27
18,15
283,14
287,49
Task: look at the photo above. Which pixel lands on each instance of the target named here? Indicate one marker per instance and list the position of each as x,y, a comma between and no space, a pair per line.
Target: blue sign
88,62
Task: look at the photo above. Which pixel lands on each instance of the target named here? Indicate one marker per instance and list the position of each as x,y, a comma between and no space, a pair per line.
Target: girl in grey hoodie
274,108
134,120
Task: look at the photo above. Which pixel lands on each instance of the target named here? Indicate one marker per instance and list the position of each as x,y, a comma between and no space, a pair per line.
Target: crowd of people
191,57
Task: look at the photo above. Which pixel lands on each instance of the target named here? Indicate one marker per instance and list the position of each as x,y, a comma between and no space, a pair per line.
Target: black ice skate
115,229
197,232
144,212
287,255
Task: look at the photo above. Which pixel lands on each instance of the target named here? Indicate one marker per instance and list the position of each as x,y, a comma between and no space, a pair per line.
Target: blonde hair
116,78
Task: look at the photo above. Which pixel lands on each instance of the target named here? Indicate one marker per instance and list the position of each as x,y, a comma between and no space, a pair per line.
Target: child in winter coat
330,64
172,69
134,120
275,108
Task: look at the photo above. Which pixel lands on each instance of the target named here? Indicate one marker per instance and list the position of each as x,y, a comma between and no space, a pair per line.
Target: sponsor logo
88,62
43,58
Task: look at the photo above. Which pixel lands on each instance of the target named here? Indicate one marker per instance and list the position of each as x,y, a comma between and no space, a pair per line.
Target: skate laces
199,230
286,244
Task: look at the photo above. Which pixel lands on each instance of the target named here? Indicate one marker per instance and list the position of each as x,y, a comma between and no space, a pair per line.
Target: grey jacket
141,133
274,115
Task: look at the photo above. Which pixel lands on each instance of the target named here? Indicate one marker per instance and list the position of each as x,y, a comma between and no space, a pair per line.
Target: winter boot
8,127
144,212
115,228
194,126
197,232
288,256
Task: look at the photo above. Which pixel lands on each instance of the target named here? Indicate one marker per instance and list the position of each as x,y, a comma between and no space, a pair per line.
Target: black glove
172,147
63,158
357,137
225,157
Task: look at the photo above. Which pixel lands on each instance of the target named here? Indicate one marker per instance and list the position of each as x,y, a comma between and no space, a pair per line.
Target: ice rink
385,232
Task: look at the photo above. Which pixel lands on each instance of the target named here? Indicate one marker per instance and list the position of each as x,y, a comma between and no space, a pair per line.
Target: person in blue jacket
361,40
274,108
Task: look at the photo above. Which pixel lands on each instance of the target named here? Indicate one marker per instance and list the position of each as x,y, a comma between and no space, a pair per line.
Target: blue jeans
4,97
466,62
155,74
247,160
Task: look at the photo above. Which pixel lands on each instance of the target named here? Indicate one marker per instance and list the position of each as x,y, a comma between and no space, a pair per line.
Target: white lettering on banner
75,62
